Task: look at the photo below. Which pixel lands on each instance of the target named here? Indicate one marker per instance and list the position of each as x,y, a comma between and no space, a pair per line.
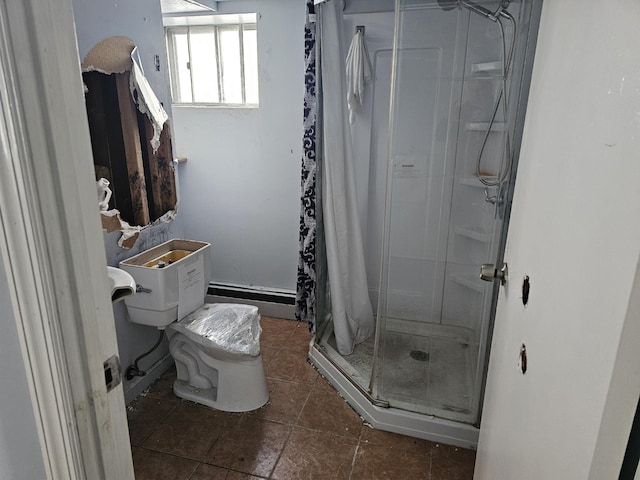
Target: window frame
174,76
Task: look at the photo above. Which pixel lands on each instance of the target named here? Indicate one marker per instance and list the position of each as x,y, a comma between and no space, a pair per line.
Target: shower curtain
306,278
351,309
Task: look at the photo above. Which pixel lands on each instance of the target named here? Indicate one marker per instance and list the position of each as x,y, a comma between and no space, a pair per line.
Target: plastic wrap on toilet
231,327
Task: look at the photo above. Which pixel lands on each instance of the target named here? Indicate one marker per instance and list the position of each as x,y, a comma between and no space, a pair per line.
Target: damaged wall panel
133,151
106,138
161,176
129,134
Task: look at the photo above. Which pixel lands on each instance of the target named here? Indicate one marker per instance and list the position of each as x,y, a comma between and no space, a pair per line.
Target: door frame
529,53
533,416
52,245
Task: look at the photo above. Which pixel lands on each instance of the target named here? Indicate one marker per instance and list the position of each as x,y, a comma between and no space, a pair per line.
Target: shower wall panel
370,134
420,171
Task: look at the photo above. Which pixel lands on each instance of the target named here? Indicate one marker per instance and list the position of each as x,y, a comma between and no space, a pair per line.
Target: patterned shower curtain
306,283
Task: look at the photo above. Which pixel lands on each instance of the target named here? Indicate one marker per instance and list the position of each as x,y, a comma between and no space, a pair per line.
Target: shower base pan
391,419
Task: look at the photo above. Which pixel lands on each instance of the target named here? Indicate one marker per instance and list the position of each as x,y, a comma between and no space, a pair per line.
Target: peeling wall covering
111,55
148,103
117,54
140,21
112,222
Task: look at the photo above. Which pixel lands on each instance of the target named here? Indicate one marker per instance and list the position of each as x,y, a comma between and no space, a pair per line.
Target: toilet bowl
216,347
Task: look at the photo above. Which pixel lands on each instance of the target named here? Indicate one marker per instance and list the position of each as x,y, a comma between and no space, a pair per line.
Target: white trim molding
52,244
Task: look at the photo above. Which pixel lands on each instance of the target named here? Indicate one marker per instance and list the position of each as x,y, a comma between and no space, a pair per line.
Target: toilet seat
232,330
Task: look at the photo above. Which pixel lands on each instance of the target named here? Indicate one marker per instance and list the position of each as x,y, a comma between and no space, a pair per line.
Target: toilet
216,347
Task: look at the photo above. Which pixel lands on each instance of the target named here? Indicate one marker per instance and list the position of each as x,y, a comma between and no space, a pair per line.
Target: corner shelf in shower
473,233
475,181
487,67
472,282
482,126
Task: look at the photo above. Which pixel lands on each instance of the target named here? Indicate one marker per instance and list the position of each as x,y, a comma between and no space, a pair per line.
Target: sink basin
122,284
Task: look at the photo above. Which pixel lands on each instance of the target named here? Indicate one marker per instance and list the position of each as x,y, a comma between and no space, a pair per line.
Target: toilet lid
231,327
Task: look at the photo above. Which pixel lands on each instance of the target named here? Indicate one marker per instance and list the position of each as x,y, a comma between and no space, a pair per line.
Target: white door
52,246
575,232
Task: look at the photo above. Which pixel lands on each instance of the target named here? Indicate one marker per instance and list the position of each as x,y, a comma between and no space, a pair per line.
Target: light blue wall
240,187
20,456
140,20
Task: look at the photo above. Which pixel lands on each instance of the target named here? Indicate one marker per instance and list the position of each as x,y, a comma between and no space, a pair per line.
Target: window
213,64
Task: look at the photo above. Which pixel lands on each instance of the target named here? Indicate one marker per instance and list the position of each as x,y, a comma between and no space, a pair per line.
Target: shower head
479,9
501,11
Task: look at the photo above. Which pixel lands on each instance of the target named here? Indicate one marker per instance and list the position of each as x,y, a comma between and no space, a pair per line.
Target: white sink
122,284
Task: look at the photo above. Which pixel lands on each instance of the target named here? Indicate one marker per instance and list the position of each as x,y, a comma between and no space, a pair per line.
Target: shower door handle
489,272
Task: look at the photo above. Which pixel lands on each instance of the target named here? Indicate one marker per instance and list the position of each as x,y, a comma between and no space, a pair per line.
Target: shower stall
435,148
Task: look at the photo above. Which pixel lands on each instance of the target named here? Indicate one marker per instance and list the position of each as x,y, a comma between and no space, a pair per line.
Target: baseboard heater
272,303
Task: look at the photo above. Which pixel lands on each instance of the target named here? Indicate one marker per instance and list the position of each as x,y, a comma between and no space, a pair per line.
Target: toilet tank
155,272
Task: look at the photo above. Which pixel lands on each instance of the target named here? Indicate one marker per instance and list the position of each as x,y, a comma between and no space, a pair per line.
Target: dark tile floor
306,431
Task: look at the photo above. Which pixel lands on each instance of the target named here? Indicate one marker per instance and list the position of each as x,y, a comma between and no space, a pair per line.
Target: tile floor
306,431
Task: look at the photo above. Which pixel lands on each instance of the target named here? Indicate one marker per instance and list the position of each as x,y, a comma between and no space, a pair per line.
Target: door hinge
112,373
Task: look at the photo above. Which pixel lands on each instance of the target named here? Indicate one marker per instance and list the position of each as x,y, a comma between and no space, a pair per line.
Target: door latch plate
489,273
112,372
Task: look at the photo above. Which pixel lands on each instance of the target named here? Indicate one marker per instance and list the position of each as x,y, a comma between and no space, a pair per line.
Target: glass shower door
441,220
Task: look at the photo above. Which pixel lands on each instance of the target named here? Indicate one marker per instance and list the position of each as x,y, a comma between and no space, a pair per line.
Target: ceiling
188,6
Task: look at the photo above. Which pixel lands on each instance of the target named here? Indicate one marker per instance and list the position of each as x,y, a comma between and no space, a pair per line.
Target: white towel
358,73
